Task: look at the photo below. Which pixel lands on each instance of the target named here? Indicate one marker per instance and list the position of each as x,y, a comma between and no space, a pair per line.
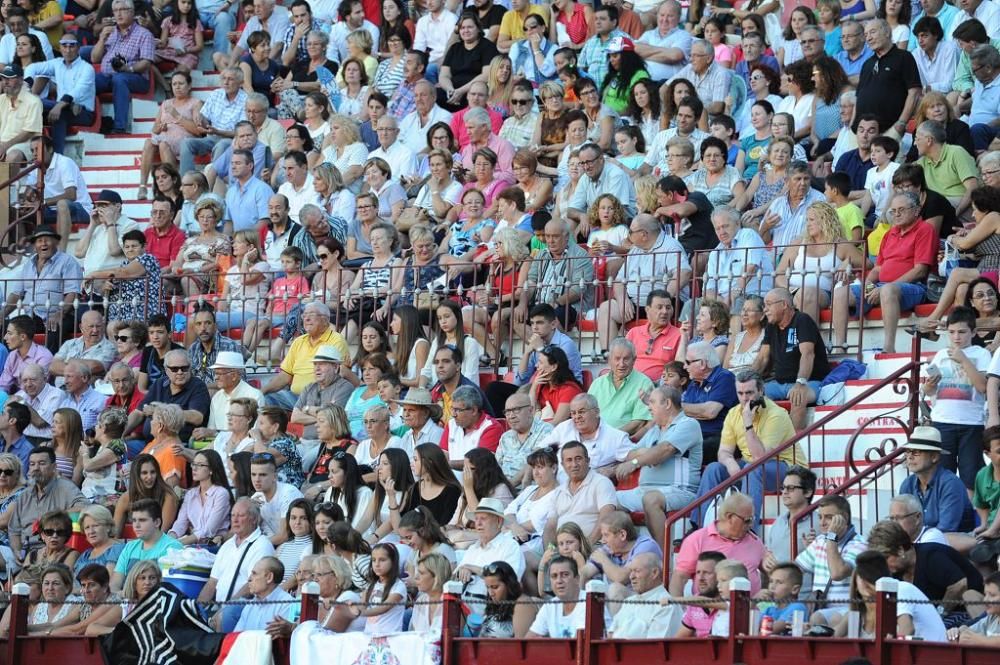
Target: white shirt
277,24
364,456
221,400
62,174
256,545
932,534
299,198
595,493
551,620
401,159
413,133
502,548
988,13
433,33
98,255
641,622
939,72
525,508
957,401
273,511
927,623
8,42
676,38
607,446
429,433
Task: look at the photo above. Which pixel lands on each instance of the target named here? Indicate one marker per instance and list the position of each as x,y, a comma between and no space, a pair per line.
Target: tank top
576,25
805,270
744,359
988,253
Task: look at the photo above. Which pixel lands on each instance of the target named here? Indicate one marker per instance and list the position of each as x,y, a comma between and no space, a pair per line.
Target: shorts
77,214
910,295
676,497
776,390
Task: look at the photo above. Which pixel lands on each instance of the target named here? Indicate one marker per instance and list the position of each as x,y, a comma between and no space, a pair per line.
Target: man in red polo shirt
126,391
896,283
163,238
655,343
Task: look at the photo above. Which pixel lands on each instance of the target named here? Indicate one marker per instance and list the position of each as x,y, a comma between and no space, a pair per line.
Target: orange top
171,464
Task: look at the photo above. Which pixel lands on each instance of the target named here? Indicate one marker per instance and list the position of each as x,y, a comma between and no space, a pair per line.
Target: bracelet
392,508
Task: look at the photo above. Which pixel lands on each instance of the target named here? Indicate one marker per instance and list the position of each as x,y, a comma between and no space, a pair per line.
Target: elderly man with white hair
619,391
297,370
605,444
907,511
470,426
41,398
80,396
889,83
646,618
711,80
179,386
740,265
234,562
414,125
709,396
479,126
402,160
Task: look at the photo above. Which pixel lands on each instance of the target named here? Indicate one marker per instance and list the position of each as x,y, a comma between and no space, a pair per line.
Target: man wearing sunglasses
92,347
178,387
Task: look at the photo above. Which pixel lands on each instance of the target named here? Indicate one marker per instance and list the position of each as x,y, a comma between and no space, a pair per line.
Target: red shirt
554,396
902,250
489,439
164,247
652,353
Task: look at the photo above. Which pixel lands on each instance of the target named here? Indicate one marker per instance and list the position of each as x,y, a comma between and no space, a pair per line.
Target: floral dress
179,36
462,240
291,471
173,133
139,298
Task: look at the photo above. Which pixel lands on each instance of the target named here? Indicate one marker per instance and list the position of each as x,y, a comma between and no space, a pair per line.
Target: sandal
141,194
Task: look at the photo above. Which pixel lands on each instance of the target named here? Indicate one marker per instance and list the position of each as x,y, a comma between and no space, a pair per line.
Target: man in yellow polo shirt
297,368
512,23
755,426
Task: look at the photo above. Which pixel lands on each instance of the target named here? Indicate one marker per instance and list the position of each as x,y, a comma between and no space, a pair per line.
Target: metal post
309,609
739,616
593,628
18,619
885,618
451,620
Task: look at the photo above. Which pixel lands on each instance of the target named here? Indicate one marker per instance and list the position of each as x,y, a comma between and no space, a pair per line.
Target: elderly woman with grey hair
101,463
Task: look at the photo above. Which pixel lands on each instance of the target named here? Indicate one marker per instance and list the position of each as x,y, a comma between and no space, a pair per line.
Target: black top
151,363
194,397
301,73
936,205
784,349
883,85
701,234
467,64
442,506
493,17
939,566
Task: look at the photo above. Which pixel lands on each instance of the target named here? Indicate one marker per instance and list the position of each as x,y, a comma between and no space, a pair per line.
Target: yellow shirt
298,361
25,116
875,238
773,426
512,23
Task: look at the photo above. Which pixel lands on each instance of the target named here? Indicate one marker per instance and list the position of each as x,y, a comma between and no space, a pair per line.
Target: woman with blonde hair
359,46
165,424
573,173
537,190
645,195
809,270
439,194
195,264
495,298
335,198
344,148
500,83
769,181
244,292
550,132
98,524
67,438
433,571
11,486
142,579
934,106
333,430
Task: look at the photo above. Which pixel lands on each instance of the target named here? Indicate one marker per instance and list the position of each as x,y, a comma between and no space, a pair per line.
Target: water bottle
179,323
473,623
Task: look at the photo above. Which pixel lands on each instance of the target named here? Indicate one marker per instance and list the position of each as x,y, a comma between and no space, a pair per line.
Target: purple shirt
135,44
203,518
643,544
11,374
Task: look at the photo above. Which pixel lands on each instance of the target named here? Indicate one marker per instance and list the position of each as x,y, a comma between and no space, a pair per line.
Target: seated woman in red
554,385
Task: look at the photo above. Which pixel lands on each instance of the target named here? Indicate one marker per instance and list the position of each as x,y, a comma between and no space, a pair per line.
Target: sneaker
985,552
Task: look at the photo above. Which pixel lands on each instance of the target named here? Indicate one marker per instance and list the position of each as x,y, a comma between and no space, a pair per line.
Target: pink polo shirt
652,353
748,549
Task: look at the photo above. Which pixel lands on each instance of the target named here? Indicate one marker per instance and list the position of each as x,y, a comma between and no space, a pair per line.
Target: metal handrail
676,516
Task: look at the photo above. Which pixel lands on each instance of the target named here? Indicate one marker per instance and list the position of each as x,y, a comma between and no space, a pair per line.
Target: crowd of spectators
380,199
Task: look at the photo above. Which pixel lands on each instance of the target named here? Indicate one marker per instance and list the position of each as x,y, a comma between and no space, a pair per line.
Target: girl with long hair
554,385
451,331
299,535
386,593
482,478
500,83
438,489
67,437
348,544
419,531
393,488
334,432
411,348
325,516
643,109
204,515
347,489
503,616
145,482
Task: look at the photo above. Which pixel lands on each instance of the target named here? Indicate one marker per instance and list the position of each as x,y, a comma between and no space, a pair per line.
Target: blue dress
110,555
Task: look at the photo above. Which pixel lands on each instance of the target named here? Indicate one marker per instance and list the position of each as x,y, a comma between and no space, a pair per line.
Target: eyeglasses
790,488
692,362
900,518
899,212
237,415
461,409
745,520
54,532
178,369
366,207
7,472
122,338
579,412
510,411
520,102
984,296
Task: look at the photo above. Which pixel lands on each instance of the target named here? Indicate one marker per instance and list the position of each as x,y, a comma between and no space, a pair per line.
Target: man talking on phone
755,426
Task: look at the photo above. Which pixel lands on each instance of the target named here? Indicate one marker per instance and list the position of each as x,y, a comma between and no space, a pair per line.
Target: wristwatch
635,462
801,381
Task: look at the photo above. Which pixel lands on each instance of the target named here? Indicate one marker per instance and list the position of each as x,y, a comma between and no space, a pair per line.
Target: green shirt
946,175
850,218
617,100
987,492
621,405
133,552
964,80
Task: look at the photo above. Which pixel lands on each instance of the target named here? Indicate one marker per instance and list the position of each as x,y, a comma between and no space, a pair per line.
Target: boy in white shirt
563,617
878,180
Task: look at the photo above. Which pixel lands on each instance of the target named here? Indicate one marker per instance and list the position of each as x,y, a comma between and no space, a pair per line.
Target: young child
283,296
715,34
878,180
725,571
723,127
631,146
538,222
389,388
986,631
783,590
986,499
384,598
837,190
956,377
697,620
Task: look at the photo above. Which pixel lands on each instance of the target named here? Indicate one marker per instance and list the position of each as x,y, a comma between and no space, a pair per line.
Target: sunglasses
520,102
261,457
54,532
122,338
7,472
491,569
177,369
322,257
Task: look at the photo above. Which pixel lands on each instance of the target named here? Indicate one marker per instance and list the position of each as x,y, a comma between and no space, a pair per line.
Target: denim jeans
122,85
769,476
222,24
67,118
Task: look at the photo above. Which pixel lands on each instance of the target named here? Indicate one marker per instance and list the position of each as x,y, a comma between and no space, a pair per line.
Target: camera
757,403
118,63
